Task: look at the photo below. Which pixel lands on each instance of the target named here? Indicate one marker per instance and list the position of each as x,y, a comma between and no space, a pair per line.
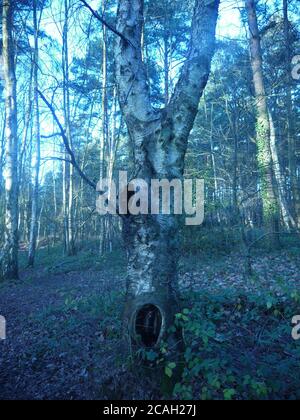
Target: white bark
37,136
9,254
160,141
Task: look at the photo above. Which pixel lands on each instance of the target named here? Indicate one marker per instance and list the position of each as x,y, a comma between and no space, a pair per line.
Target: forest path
54,334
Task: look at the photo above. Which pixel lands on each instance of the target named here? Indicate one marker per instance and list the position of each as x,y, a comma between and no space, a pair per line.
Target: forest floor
64,320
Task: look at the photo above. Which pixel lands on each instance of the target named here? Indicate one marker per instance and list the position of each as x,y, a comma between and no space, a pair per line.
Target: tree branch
133,84
103,21
50,136
184,103
66,143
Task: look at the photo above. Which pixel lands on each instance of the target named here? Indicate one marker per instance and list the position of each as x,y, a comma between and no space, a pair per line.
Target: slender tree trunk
214,166
39,222
27,128
2,154
54,203
166,68
288,220
23,170
112,150
9,254
69,169
291,132
104,128
234,122
235,217
160,141
264,158
35,191
71,221
65,195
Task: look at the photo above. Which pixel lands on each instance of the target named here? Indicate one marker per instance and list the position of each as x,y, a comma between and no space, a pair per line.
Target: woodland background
239,274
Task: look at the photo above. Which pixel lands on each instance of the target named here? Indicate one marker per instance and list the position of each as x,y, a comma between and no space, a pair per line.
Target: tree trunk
9,254
160,141
113,144
264,158
65,195
214,166
2,153
291,132
104,128
166,66
288,220
69,169
236,215
35,192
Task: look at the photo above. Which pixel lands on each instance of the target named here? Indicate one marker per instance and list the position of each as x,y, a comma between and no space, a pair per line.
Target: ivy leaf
169,369
229,394
168,372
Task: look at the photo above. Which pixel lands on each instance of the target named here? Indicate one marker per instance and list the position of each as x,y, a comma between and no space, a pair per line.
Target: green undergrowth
222,241
54,261
236,347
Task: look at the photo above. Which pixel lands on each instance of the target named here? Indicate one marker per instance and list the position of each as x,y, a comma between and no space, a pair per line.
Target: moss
270,205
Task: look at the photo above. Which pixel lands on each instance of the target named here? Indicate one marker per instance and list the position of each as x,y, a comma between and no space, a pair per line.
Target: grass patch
54,261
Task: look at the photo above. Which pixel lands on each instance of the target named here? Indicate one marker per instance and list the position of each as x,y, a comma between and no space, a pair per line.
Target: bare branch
66,143
105,23
50,136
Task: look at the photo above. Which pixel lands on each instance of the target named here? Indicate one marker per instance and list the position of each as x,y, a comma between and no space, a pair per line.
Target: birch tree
160,140
9,253
37,163
290,118
68,186
104,127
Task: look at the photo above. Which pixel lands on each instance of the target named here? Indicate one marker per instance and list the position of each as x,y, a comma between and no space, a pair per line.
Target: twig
108,25
50,136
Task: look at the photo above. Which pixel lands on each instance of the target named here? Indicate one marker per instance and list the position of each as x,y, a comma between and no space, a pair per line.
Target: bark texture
37,136
291,131
9,253
104,128
68,178
159,140
287,217
263,132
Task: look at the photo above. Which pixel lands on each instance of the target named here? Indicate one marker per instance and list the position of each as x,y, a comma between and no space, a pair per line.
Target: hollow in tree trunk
159,140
